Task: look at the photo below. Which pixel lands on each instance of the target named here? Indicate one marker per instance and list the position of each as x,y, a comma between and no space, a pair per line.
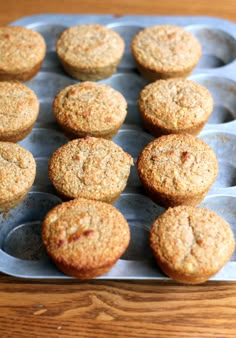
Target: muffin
90,109
19,109
177,169
84,237
175,106
22,52
90,167
191,244
17,174
165,51
90,52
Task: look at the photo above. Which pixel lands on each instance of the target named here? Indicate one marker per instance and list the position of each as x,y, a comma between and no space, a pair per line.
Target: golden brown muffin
90,167
175,106
17,174
191,244
84,237
22,52
90,109
19,109
90,52
177,169
165,51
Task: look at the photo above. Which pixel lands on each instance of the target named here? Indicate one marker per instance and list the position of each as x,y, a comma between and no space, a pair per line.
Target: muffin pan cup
21,251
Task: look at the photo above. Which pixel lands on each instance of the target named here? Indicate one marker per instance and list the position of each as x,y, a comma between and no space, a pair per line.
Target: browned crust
71,134
152,75
23,76
89,74
83,273
15,137
11,203
179,277
107,199
157,130
169,200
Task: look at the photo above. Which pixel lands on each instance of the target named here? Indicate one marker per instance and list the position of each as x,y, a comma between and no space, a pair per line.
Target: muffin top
19,107
88,46
20,49
17,170
90,167
178,164
85,234
192,240
90,107
176,103
166,48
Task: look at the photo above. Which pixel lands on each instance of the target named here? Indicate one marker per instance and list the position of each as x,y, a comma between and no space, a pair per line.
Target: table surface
100,309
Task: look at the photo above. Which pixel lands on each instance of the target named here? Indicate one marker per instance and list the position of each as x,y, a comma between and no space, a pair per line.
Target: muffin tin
21,250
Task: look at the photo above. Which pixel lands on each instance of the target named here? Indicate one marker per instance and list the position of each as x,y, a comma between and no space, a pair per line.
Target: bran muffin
17,174
90,52
19,109
90,109
90,167
191,244
177,169
84,237
165,51
22,52
175,106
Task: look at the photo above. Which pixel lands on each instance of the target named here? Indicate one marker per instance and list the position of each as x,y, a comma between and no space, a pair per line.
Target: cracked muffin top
178,164
191,242
85,234
166,48
17,170
20,49
90,167
19,107
176,103
91,45
89,107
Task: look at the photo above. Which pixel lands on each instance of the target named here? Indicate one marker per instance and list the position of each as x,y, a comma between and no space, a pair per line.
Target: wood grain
100,309
11,10
116,309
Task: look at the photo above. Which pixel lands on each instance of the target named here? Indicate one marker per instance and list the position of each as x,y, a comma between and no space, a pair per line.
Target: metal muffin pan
21,251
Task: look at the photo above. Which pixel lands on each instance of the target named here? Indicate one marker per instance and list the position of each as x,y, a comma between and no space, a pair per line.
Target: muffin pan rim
127,269
34,269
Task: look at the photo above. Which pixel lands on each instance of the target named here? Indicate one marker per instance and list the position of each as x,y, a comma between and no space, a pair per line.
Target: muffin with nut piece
191,244
177,169
85,238
175,106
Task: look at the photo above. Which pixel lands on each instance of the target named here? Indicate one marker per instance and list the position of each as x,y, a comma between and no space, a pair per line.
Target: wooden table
101,309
